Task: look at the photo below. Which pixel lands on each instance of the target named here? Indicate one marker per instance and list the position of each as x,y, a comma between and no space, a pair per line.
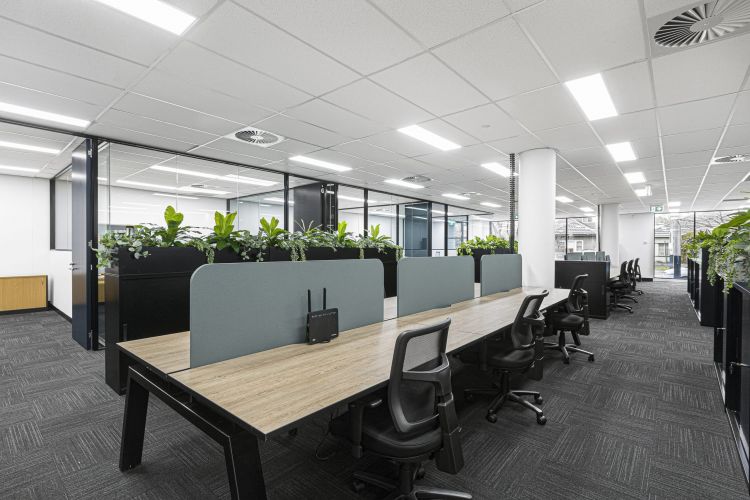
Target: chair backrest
637,266
528,320
630,266
624,271
419,392
576,295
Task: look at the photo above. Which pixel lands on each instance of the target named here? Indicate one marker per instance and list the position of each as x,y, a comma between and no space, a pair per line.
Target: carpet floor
644,420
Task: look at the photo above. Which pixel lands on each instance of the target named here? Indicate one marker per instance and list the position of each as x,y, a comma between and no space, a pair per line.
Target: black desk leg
244,469
133,425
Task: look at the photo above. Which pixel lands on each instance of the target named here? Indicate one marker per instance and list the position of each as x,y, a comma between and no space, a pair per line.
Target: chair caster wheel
541,419
566,361
421,472
591,358
538,400
492,418
358,486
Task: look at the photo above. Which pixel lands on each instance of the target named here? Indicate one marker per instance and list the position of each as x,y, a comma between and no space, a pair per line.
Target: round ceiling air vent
417,179
258,137
703,23
732,158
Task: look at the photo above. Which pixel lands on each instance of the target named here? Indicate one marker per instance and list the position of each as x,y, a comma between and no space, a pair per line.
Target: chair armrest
356,419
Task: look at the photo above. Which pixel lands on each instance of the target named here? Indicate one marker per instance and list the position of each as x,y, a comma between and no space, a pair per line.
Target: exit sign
657,208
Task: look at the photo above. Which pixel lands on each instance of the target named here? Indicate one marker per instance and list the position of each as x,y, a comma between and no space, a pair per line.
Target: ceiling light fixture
586,209
43,115
154,12
497,168
563,199
275,199
406,184
180,197
622,151
354,198
592,96
635,177
28,147
672,204
205,175
428,137
320,163
456,196
644,191
490,204
247,180
162,187
19,169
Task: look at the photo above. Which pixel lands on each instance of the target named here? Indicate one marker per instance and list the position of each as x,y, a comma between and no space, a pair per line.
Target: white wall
60,281
609,232
637,240
24,225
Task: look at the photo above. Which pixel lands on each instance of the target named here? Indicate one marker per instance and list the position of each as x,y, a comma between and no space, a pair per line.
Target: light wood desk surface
271,390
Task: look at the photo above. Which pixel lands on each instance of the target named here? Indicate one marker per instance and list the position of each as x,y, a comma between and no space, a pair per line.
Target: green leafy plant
173,219
491,242
271,232
381,242
223,235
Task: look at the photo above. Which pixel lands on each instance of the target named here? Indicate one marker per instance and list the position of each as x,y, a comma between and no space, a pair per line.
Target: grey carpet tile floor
644,420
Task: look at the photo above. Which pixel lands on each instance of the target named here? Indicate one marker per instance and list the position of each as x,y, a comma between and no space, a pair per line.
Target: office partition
428,283
239,309
500,273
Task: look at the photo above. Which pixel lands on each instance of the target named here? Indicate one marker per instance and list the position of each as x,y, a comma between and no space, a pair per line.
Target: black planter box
390,262
477,253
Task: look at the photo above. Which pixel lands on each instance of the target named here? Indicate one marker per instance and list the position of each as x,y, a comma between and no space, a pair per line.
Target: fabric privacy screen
500,273
239,309
431,282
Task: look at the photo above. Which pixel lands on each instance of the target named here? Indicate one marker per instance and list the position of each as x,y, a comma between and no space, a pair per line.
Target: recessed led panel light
19,169
320,163
162,187
154,12
490,204
644,191
497,168
247,180
456,196
428,137
587,209
178,196
206,175
275,199
354,198
28,147
42,115
635,177
406,184
622,151
592,96
563,199
673,204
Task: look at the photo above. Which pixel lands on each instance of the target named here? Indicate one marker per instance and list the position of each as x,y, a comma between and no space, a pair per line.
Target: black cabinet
595,284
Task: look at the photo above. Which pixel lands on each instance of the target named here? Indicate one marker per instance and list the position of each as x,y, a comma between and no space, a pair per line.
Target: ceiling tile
517,144
697,115
183,92
498,60
694,159
364,150
164,111
428,83
157,128
699,140
233,31
368,99
48,102
656,7
578,44
742,109
436,21
328,116
516,5
546,108
448,131
354,33
569,137
587,156
139,136
627,127
199,66
40,48
722,68
301,131
486,123
400,143
737,135
630,87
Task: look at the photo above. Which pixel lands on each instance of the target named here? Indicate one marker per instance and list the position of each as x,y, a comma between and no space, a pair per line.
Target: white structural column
609,232
536,216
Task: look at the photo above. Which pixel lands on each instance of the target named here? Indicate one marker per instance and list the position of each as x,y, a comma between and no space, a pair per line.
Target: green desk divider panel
589,255
500,273
239,309
431,282
573,256
599,256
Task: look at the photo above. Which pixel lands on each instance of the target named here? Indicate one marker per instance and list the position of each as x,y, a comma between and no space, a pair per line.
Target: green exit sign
657,209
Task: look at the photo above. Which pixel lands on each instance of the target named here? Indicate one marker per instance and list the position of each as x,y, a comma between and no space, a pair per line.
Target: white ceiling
337,77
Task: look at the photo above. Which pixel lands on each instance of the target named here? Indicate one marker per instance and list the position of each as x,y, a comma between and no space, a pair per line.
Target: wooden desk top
271,390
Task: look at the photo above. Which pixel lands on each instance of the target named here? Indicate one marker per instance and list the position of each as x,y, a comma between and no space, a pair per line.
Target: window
63,187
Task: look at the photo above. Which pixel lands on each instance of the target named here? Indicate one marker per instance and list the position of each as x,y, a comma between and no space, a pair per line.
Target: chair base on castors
405,488
502,394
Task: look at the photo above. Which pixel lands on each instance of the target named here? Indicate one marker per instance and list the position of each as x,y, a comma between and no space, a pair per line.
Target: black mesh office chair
417,423
633,277
572,317
619,288
638,270
527,331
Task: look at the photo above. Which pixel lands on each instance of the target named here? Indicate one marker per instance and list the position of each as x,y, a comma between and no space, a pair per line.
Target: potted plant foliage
478,247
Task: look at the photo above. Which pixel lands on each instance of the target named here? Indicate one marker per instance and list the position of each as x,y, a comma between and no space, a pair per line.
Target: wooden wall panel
23,292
